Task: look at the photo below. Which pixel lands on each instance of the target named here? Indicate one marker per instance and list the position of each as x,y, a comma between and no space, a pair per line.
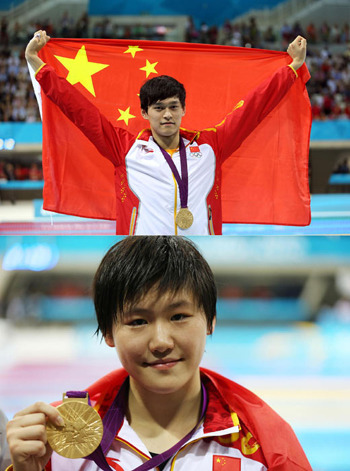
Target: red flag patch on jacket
264,181
226,463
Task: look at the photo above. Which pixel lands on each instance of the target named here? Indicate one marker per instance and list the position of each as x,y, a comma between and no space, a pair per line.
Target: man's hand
38,41
27,439
297,51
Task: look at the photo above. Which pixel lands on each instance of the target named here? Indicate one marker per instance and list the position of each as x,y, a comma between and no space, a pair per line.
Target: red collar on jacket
278,442
145,134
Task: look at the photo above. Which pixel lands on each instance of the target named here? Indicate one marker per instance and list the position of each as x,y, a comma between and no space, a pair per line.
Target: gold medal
184,218
82,430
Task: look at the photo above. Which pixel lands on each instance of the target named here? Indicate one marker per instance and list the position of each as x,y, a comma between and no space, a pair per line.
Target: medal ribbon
182,180
113,420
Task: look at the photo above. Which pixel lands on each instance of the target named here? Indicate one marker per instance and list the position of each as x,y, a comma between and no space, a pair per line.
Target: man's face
165,117
160,342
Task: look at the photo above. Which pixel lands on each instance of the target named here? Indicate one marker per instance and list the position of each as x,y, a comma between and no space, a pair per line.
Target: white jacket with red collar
239,433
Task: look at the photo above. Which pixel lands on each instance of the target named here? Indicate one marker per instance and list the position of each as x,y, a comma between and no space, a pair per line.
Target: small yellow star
125,115
133,50
81,70
149,68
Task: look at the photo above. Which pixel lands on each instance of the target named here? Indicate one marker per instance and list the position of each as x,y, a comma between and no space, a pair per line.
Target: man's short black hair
136,264
160,88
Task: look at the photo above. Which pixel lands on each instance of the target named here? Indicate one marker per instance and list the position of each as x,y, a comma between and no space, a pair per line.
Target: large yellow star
133,50
149,68
125,115
81,70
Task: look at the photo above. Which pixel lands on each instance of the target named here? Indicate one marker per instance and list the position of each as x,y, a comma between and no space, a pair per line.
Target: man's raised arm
38,41
297,51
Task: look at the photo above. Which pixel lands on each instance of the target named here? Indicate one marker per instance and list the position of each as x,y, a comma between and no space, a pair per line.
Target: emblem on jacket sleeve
147,150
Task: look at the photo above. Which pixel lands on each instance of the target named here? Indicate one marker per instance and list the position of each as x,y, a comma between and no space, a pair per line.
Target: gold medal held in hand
184,218
82,430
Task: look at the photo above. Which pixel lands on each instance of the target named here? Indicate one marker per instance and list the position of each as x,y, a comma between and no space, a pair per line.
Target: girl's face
160,342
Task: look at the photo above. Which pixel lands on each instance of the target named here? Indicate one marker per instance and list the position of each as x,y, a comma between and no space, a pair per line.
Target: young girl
155,300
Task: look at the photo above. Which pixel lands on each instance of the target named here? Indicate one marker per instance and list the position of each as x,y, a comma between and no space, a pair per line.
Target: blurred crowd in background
11,170
230,33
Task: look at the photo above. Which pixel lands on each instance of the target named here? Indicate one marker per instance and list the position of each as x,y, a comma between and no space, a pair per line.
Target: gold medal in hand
82,430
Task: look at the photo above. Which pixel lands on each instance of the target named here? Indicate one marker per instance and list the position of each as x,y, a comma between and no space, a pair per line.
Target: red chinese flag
264,181
226,463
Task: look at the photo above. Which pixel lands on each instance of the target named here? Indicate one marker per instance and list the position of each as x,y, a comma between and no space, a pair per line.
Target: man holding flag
168,180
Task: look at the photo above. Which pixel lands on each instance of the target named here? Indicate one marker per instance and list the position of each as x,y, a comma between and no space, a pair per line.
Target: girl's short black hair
137,264
160,88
